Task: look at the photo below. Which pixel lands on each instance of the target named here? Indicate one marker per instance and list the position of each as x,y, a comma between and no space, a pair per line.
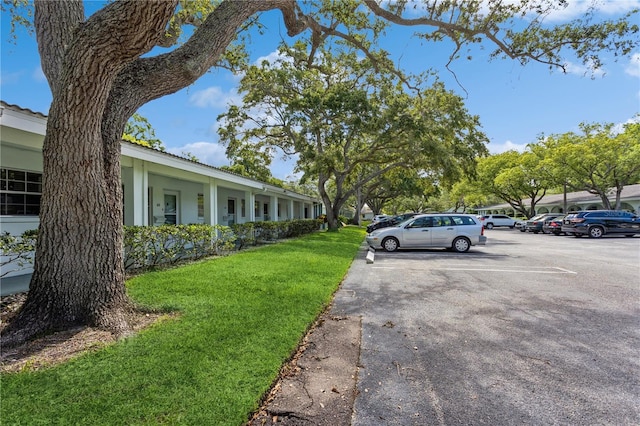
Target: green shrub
150,246
17,252
146,247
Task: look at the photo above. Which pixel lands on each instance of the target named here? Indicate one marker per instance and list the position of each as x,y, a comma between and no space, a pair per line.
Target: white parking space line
540,270
545,270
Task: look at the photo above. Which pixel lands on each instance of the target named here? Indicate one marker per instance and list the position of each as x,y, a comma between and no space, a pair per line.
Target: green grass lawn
241,318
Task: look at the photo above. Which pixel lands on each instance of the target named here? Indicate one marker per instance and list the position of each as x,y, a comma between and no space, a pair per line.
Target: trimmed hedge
150,246
252,233
147,247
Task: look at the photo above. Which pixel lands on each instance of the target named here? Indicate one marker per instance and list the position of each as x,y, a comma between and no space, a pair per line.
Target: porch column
301,213
273,208
290,210
140,188
210,195
250,208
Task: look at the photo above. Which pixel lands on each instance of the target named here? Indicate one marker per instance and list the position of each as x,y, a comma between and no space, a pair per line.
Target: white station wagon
453,231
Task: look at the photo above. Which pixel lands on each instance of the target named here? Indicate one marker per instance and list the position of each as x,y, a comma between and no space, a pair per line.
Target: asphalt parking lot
529,329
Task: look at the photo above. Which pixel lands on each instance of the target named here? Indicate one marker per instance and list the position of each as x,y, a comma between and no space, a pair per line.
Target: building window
201,206
20,192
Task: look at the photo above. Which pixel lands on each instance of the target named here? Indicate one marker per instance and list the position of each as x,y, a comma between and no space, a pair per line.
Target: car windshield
399,224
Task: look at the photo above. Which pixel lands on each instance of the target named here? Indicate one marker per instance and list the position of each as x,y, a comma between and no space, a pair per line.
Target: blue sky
515,103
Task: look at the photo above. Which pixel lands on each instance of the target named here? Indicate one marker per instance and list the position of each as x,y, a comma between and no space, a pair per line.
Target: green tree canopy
138,130
601,160
349,123
514,177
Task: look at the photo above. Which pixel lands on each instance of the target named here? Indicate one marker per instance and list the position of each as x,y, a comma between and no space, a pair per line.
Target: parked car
389,221
596,223
404,216
553,226
379,217
455,231
535,223
495,220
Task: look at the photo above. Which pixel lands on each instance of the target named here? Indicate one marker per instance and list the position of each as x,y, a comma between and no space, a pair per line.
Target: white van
453,231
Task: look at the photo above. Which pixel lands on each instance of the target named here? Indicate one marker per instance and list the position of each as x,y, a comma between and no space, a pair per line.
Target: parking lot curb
370,255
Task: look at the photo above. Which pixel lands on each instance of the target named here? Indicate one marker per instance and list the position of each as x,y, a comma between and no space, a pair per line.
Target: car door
417,233
443,231
618,222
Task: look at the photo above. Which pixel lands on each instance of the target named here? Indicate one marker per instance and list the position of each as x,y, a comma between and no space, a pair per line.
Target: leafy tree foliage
514,177
349,123
401,189
138,130
601,160
101,70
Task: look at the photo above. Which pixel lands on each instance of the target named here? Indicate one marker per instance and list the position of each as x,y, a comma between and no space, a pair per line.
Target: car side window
421,222
462,220
446,221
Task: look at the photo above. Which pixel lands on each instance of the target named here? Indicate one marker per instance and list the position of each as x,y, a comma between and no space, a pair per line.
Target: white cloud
215,97
633,69
498,148
273,58
574,8
10,78
38,75
619,127
584,70
206,152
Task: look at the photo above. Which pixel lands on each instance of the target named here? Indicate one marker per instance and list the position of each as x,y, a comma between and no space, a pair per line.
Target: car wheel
535,232
461,245
489,226
523,230
390,244
596,232
511,227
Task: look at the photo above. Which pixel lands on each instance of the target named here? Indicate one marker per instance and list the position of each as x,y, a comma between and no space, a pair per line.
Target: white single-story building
574,201
159,188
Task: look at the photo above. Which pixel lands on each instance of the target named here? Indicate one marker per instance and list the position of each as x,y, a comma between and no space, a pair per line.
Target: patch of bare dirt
57,347
318,386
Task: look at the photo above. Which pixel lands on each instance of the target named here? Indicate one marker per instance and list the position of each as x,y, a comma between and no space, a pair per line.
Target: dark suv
596,223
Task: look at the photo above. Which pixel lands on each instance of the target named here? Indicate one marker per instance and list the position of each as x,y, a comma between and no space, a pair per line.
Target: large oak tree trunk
78,274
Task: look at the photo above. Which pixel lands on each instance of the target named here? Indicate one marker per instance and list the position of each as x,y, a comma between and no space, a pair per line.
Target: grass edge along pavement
241,318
